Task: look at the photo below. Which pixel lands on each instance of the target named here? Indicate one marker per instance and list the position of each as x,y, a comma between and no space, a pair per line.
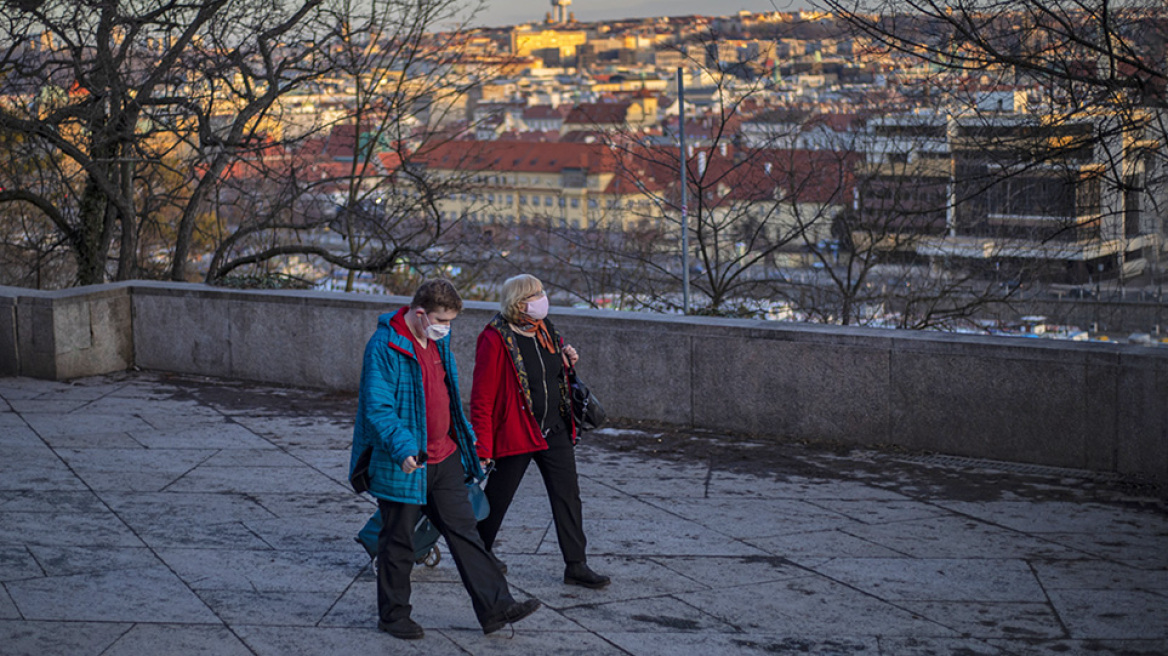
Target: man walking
421,449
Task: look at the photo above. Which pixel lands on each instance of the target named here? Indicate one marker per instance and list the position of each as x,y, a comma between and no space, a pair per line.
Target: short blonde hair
516,289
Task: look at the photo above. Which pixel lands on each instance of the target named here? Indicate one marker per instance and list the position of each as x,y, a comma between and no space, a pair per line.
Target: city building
559,185
1013,194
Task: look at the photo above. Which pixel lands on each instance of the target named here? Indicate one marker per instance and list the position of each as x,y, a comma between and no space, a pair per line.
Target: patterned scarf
527,324
504,329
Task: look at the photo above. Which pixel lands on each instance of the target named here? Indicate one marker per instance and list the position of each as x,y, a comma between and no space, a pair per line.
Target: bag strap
569,368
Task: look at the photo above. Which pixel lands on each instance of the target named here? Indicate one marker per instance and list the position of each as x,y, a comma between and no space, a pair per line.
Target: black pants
449,509
557,465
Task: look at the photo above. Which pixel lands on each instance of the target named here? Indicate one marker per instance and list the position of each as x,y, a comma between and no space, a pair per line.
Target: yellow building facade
525,42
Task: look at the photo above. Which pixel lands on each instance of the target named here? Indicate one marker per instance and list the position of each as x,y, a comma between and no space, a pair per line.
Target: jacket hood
396,340
386,319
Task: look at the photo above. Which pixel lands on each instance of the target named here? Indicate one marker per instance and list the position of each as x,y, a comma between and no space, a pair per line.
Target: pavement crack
121,635
191,469
1049,602
102,397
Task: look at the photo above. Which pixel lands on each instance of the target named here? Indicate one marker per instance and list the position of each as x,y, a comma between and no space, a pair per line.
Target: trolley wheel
433,558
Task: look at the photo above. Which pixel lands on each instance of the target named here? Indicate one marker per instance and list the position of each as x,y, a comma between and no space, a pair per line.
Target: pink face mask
538,308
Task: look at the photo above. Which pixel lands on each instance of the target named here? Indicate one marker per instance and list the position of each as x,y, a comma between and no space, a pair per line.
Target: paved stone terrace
151,514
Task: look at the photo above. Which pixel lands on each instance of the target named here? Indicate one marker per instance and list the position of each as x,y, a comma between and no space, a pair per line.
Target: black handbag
586,409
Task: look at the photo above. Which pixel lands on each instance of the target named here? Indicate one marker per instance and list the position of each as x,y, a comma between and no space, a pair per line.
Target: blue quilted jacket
391,415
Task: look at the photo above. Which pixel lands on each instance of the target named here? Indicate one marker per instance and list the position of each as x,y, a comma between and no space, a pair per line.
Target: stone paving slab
156,514
178,639
992,620
146,594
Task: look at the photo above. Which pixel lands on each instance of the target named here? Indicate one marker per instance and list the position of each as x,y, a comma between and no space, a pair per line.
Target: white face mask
538,308
436,331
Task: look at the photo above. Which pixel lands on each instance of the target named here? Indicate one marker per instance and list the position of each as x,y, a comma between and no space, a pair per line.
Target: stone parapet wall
1083,405
66,334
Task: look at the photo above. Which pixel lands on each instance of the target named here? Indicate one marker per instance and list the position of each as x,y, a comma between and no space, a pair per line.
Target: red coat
503,423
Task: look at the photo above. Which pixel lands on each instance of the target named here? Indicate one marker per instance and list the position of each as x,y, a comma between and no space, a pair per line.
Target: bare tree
156,134
400,86
741,200
110,89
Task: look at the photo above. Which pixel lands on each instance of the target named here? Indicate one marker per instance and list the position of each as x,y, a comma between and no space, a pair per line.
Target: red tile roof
544,112
599,114
808,176
512,156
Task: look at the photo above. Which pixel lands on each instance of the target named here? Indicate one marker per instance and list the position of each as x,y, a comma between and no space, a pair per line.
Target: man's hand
410,465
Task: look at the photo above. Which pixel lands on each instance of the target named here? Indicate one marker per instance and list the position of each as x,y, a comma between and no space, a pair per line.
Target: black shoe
580,574
498,563
405,628
513,613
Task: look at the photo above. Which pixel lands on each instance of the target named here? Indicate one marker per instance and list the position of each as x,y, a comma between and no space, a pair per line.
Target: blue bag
425,533
425,539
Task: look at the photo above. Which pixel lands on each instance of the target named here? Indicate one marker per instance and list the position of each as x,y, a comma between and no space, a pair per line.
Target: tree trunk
92,244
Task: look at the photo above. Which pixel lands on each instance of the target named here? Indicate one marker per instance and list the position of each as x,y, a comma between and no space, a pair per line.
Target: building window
575,202
1088,197
1041,196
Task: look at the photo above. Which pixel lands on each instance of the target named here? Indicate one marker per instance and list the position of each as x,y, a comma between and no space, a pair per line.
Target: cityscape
840,166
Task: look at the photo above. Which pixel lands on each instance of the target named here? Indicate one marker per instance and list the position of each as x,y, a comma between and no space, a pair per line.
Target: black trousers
449,509
557,465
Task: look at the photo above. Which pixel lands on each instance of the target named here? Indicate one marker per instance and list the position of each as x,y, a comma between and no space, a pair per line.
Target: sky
510,12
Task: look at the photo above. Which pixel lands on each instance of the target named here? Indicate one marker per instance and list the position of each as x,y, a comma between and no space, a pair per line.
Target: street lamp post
684,192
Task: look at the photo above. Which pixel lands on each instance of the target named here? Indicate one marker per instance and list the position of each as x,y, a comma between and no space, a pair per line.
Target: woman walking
520,410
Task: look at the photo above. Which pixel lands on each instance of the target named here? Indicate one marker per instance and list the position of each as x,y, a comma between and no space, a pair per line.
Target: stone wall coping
694,325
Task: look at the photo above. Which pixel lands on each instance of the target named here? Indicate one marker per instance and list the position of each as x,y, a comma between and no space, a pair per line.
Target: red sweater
503,424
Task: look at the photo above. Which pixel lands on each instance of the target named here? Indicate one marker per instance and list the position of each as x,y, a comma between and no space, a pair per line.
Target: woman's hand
410,465
573,356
